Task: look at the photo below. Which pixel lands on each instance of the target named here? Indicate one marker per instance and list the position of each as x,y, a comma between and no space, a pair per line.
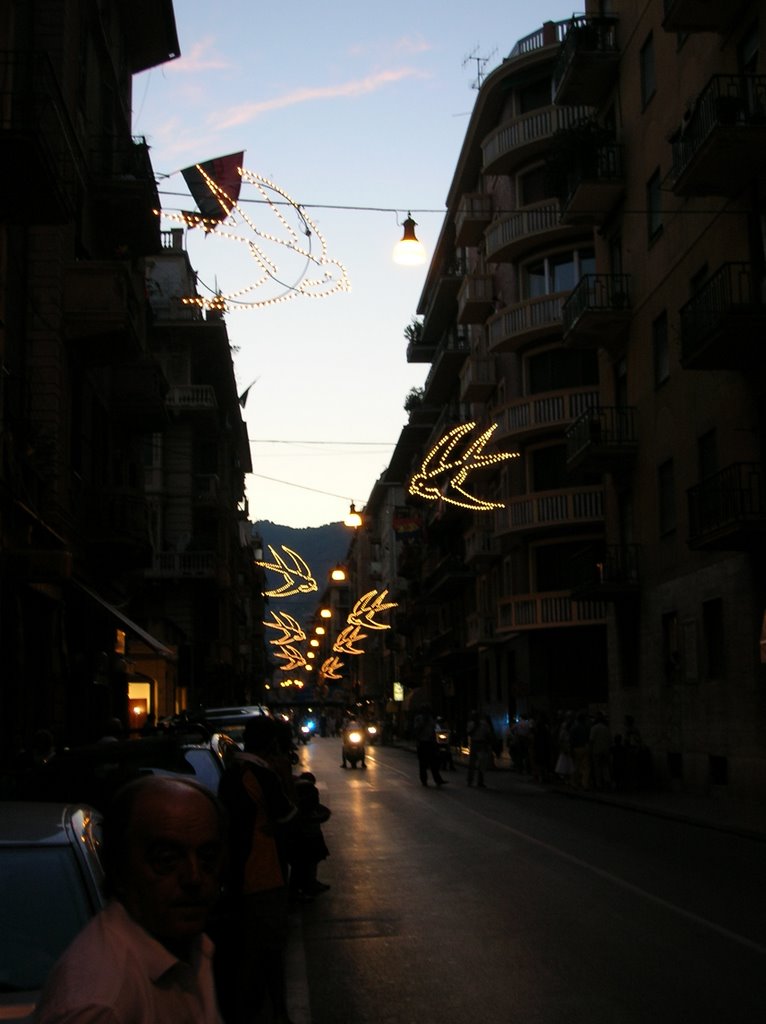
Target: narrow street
517,903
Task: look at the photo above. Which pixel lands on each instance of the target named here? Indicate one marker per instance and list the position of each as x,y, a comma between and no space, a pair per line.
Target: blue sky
358,115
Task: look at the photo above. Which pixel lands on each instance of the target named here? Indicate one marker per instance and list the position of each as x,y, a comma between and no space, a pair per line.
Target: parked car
232,721
51,883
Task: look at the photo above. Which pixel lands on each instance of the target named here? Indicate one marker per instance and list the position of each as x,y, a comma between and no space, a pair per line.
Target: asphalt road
518,904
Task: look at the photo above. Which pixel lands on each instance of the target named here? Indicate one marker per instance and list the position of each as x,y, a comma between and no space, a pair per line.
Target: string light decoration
297,576
367,607
346,640
331,669
444,472
292,657
290,627
328,276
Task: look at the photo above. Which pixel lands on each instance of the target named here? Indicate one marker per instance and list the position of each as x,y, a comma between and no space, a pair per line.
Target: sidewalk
720,811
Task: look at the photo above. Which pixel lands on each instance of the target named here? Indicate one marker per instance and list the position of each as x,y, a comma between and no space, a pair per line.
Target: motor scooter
354,741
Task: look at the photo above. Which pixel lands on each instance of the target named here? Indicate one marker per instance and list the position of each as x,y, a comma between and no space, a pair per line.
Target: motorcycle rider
352,725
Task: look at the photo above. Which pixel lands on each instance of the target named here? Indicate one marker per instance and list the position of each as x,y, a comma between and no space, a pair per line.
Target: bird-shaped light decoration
367,607
444,471
331,668
290,627
292,658
297,576
347,638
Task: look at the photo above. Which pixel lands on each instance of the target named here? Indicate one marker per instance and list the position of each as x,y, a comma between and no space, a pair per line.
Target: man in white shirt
144,959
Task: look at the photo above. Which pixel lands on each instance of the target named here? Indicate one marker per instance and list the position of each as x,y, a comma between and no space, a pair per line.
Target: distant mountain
321,547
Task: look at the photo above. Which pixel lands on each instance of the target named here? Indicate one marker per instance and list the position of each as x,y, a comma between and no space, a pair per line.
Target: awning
131,626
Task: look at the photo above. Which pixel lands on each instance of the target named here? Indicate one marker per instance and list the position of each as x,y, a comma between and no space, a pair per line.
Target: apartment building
89,621
596,293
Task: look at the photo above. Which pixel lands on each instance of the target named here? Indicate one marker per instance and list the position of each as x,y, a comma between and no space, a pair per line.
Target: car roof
42,823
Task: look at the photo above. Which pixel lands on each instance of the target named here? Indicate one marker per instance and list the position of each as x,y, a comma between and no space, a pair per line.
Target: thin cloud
199,58
409,45
360,87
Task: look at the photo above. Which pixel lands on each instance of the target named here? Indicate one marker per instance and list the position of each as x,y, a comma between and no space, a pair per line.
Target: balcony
477,378
439,313
473,214
606,572
597,313
727,511
723,325
522,233
721,146
603,439
124,196
476,298
450,354
541,511
192,398
591,184
481,547
588,63
698,15
43,167
526,137
446,577
551,610
151,34
480,630
183,565
543,414
526,323
104,311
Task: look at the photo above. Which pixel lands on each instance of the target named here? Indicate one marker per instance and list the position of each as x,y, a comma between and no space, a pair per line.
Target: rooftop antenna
481,64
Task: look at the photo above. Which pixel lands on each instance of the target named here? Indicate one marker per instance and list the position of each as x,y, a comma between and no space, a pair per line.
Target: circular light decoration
444,471
288,262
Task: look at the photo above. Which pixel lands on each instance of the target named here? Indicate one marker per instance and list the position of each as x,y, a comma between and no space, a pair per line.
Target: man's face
169,877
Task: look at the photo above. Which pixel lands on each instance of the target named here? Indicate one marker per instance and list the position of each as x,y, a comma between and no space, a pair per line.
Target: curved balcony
473,214
546,611
477,378
526,322
476,298
549,412
526,231
527,137
588,63
551,510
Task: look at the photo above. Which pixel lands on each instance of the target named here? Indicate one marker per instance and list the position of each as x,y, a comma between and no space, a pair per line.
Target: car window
44,903
207,768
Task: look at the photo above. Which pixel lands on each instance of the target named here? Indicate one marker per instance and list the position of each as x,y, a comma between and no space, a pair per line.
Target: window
660,349
648,71
562,368
666,498
653,206
532,187
558,273
549,471
535,95
713,638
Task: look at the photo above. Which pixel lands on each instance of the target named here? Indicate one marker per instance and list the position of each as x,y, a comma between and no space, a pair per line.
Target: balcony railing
448,357
546,611
727,510
723,325
527,136
591,184
480,629
698,15
720,146
192,398
544,413
476,298
544,510
597,312
43,164
473,214
183,564
510,238
603,437
480,545
588,62
438,311
477,378
124,193
526,322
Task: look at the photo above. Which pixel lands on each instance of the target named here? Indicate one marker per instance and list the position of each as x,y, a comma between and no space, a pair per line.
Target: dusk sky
358,115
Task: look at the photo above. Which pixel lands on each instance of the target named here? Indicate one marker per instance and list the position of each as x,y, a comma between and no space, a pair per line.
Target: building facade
596,299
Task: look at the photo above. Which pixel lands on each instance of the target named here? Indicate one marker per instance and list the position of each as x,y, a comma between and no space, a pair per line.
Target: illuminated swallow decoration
292,657
291,630
288,262
367,607
298,578
443,472
331,668
347,638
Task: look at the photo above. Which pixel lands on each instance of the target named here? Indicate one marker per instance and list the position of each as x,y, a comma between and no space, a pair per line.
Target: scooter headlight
355,737
372,730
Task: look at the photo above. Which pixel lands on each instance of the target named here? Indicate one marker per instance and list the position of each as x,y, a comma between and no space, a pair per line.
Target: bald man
144,958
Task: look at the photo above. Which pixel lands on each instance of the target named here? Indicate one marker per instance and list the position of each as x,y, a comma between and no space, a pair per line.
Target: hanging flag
215,201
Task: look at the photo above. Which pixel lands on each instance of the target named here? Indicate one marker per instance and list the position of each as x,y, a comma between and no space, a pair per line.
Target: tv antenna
481,64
